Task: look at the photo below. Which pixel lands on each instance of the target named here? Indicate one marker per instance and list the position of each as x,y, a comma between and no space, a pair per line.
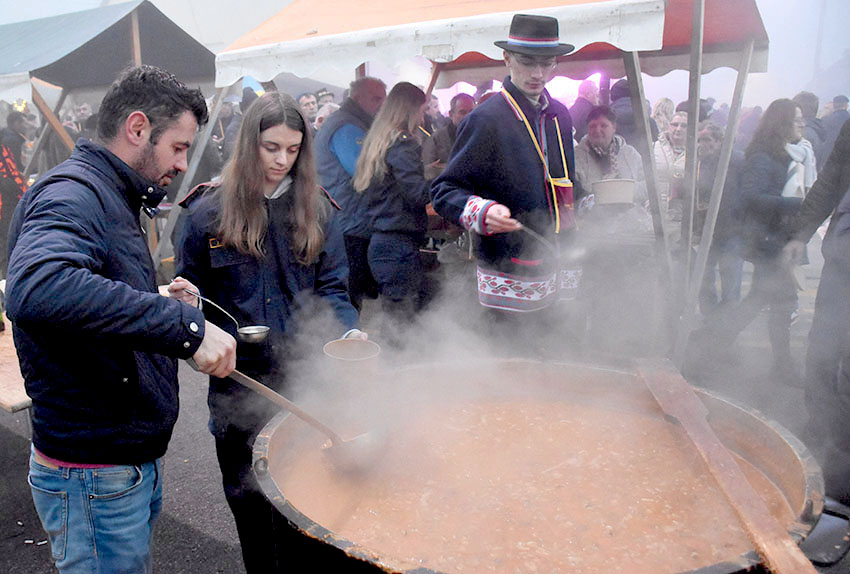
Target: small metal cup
356,350
352,364
252,333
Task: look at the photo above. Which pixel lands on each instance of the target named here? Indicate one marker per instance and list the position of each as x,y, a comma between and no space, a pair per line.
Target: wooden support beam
165,248
39,143
135,39
691,160
51,118
689,313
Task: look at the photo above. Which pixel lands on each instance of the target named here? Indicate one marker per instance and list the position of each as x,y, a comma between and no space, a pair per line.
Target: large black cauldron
779,456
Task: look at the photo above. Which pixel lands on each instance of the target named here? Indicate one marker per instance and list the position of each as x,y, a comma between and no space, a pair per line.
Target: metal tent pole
695,71
135,38
690,310
644,141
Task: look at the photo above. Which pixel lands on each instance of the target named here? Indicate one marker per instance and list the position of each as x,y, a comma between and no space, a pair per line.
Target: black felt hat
534,36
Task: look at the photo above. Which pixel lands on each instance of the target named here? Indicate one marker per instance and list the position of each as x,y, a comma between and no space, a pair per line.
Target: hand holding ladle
180,287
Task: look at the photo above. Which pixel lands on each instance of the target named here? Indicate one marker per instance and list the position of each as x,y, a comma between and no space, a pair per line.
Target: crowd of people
306,197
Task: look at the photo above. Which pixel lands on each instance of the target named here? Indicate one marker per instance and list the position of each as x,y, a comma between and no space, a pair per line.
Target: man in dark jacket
496,182
12,187
337,147
814,132
621,104
588,98
833,123
437,148
827,381
12,136
97,344
725,255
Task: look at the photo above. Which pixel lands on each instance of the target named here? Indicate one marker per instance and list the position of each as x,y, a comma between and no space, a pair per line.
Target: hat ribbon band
533,42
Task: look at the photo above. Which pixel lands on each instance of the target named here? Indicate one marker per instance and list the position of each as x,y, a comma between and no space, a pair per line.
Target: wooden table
13,397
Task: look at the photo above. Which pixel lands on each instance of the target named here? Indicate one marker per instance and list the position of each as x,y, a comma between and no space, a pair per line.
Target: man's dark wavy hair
153,91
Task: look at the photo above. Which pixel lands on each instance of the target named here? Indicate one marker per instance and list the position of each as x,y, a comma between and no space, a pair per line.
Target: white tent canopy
630,25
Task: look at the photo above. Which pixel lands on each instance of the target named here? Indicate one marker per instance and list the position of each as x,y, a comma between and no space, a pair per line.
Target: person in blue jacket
391,176
337,147
97,344
264,244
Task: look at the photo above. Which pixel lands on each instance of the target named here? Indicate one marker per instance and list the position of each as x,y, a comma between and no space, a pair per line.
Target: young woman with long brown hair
259,244
390,172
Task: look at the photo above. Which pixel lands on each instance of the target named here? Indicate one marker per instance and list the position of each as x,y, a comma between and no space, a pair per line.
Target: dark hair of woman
243,220
774,130
602,112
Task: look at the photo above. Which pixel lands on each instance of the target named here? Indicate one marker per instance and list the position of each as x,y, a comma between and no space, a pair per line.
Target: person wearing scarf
602,154
669,152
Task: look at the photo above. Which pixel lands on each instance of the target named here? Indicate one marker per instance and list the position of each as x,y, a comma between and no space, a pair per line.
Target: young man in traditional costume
511,168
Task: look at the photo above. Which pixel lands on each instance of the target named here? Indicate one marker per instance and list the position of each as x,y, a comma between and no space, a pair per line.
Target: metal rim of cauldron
812,475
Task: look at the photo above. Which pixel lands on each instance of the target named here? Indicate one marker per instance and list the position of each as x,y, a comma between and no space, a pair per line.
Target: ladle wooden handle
213,303
285,403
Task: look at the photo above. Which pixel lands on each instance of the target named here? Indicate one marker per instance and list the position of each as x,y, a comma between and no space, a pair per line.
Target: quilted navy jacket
97,344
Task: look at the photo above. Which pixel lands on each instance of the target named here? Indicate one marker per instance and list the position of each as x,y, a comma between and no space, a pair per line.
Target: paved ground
196,532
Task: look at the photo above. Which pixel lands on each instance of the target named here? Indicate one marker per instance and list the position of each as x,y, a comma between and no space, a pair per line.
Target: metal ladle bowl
248,333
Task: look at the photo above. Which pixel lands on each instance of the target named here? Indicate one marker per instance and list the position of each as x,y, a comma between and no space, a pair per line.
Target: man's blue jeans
99,521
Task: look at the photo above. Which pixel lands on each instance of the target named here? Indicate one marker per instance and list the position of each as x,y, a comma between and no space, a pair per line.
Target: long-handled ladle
353,454
248,334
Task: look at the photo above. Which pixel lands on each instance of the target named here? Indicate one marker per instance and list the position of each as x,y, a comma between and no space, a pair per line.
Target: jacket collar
139,191
529,109
353,108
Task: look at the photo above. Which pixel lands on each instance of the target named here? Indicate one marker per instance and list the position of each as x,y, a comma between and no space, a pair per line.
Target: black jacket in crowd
767,215
578,113
397,203
829,196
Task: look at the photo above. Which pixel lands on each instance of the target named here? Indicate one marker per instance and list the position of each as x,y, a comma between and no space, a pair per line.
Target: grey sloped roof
89,48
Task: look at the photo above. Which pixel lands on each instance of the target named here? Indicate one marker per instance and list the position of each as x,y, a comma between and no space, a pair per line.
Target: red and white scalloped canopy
328,39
